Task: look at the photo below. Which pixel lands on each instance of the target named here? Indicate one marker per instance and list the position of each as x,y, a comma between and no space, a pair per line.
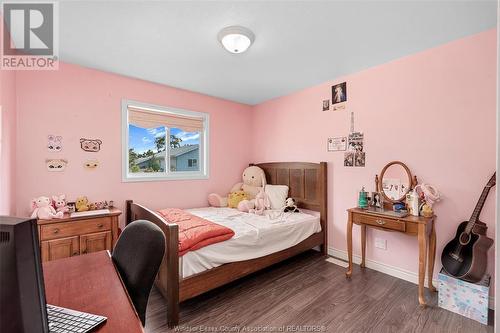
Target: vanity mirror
395,182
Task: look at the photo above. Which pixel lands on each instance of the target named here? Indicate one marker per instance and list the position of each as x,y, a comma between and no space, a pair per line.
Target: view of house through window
148,149
163,151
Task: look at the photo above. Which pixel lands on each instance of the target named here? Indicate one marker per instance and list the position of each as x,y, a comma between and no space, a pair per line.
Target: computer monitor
22,291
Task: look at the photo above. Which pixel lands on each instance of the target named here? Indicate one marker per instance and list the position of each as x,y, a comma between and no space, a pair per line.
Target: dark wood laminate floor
307,290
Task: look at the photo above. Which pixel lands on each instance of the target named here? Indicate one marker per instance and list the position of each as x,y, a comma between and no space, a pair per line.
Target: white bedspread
255,236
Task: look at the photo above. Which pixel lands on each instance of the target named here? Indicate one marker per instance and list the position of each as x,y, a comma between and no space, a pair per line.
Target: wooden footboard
167,279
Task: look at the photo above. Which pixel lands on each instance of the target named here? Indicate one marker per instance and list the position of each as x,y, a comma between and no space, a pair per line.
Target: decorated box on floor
465,298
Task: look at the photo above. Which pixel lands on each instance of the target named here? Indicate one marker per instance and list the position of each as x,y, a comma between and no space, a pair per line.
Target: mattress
255,236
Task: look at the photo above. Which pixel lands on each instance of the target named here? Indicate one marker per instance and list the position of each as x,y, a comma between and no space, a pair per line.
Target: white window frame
203,173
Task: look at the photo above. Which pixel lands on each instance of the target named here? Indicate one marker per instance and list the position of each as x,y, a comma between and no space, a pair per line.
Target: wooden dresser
67,237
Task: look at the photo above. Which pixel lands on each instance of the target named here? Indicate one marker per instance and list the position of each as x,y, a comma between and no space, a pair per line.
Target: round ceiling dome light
236,39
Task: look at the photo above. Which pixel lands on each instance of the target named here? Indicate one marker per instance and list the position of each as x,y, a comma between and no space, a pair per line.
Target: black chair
137,256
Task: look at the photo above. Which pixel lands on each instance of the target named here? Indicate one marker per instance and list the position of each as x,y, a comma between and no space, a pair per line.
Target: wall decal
54,143
90,145
56,165
91,164
326,105
337,144
339,93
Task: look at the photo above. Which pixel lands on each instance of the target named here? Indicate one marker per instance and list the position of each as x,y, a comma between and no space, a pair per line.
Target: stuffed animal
43,209
254,179
234,198
262,203
290,206
59,203
101,205
82,204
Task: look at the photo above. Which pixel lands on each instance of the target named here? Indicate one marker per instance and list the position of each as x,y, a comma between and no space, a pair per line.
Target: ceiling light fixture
236,39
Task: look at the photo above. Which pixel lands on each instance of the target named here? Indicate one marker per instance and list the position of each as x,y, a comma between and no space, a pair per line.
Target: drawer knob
380,222
56,231
100,225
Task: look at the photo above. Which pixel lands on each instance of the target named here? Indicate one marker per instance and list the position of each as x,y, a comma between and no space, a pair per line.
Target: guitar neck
477,211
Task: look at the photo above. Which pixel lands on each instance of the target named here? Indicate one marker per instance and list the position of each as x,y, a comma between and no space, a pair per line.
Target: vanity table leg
363,244
432,257
349,246
422,254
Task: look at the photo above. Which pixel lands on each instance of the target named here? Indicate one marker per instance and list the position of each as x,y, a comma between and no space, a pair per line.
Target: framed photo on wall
339,93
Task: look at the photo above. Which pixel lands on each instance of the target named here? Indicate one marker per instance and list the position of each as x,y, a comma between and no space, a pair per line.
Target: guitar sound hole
464,238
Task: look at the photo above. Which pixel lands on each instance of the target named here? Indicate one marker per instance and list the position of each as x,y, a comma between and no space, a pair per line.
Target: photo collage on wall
355,156
338,99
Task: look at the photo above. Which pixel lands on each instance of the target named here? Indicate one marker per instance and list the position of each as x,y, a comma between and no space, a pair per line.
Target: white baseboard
390,270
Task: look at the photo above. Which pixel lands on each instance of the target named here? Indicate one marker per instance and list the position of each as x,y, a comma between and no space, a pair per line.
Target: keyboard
62,320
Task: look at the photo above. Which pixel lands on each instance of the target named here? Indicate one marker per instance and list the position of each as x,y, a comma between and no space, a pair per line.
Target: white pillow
277,195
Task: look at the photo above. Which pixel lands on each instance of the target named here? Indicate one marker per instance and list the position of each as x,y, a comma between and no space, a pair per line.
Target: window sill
183,176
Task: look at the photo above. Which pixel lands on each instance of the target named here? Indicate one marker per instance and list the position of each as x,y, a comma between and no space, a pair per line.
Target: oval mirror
395,181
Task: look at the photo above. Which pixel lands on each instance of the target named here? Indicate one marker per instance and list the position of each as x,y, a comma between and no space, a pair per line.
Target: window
161,143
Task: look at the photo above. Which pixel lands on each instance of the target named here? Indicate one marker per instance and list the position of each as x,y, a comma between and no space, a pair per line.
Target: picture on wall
337,144
349,158
339,93
326,105
359,159
356,142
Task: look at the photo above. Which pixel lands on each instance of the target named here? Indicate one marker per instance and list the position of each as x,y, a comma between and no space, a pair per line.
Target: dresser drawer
68,229
380,222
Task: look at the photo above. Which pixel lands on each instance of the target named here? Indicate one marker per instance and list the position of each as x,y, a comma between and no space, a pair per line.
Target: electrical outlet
381,243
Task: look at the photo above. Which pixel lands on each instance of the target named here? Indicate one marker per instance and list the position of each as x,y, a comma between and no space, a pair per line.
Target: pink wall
8,142
78,102
434,110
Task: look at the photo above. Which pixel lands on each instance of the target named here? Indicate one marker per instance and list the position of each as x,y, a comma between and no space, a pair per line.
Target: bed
182,278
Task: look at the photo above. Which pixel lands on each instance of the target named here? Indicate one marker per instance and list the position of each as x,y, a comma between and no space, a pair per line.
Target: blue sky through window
142,139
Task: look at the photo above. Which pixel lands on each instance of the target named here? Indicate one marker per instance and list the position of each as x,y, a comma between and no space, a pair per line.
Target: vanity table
384,219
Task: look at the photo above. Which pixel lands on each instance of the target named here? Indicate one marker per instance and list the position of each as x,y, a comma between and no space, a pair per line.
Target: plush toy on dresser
82,204
42,208
254,179
59,203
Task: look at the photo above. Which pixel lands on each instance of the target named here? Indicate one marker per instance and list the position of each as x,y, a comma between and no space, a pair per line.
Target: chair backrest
137,256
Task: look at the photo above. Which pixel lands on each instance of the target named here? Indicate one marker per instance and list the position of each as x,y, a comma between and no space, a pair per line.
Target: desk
91,284
421,227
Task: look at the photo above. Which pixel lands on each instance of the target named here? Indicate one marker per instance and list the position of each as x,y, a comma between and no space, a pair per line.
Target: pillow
234,198
277,195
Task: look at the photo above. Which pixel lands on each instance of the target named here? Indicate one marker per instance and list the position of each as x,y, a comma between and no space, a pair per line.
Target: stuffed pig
254,179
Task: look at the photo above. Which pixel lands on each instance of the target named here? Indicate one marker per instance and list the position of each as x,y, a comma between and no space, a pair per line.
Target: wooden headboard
307,184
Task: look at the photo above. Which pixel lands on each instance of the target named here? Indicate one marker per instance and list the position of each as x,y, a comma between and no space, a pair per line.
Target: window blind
150,119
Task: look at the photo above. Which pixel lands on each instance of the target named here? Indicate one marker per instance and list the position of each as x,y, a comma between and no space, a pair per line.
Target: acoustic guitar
465,256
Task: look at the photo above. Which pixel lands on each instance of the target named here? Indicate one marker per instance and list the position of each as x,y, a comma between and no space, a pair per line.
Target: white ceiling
298,43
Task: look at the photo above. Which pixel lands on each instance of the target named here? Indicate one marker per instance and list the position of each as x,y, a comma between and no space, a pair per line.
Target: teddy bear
43,209
82,204
254,179
59,203
234,198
